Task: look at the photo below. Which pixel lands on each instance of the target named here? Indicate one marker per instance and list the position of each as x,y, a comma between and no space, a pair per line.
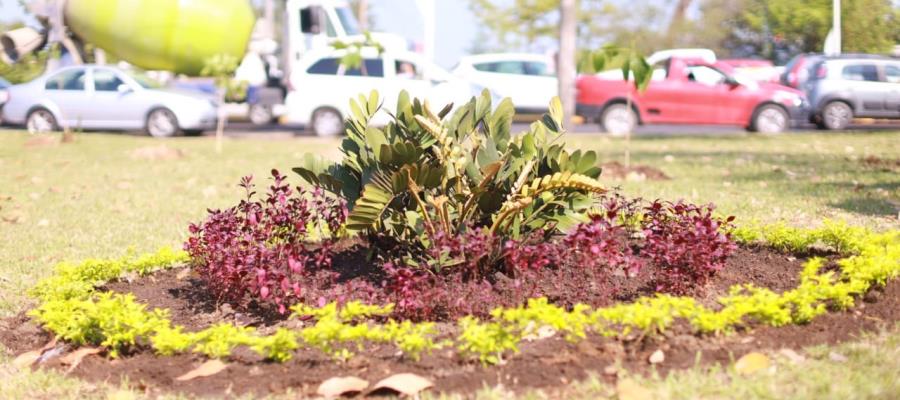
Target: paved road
245,129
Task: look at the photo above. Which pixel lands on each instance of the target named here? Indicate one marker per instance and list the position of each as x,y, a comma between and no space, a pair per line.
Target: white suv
528,79
321,88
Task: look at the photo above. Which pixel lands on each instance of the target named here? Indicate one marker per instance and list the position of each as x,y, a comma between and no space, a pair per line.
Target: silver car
840,89
105,97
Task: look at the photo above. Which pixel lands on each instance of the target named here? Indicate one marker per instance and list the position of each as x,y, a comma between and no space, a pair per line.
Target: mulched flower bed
544,363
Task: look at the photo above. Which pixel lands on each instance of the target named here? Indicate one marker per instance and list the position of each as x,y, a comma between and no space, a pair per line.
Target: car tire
327,122
260,114
836,115
618,120
41,120
770,119
161,122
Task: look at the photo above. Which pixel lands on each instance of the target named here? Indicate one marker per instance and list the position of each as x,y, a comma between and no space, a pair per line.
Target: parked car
690,91
840,89
320,87
758,70
797,71
4,95
528,79
105,97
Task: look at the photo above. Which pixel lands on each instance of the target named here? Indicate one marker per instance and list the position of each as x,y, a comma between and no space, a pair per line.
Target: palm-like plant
428,171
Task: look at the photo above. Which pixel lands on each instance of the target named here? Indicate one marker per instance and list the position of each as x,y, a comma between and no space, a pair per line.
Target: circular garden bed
446,248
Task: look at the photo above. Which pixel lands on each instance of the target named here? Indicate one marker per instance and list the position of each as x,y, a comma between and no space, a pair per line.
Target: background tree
565,59
777,29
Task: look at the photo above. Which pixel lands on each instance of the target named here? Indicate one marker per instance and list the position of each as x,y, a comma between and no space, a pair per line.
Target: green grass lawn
94,198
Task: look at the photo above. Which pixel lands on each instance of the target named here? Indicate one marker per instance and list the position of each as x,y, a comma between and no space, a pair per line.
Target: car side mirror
123,88
730,81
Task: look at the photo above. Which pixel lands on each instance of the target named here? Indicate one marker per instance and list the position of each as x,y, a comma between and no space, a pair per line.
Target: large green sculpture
173,35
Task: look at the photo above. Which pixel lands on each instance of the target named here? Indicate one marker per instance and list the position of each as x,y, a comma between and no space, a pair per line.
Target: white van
321,88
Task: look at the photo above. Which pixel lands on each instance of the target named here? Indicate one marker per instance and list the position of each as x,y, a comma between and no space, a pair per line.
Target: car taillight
821,72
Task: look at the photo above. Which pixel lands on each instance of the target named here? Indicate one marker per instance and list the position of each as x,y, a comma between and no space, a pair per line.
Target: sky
454,30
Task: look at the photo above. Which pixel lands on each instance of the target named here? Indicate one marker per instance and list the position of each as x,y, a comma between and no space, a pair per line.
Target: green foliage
648,315
426,171
218,340
525,24
868,26
353,51
487,340
539,313
168,340
338,329
277,346
221,68
117,322
632,63
30,66
111,320
77,281
412,339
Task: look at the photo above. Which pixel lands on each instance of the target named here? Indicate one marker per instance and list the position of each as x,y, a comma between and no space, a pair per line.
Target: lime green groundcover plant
72,309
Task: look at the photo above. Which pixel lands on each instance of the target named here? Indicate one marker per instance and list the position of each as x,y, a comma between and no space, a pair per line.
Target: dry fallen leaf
657,357
628,389
208,368
405,383
751,362
74,358
339,386
27,358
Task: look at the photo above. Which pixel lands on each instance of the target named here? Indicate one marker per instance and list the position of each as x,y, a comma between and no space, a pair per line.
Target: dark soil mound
544,363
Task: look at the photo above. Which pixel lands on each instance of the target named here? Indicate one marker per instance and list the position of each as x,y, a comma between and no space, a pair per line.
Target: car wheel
327,122
770,119
836,115
260,114
618,120
162,123
40,120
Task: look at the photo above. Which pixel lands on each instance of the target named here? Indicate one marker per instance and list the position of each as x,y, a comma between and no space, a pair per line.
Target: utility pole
565,59
836,24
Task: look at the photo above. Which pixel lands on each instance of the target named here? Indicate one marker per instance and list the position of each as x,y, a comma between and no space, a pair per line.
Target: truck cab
313,24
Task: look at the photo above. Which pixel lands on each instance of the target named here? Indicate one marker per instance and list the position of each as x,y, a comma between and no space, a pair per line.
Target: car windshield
348,20
4,83
145,81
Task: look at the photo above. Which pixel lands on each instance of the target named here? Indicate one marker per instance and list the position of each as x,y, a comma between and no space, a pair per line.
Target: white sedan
528,79
321,88
105,97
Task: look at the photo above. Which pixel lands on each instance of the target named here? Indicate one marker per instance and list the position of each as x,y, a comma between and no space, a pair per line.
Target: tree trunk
363,15
565,60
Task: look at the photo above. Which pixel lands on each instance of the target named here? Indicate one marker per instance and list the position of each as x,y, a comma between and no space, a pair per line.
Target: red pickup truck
688,91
